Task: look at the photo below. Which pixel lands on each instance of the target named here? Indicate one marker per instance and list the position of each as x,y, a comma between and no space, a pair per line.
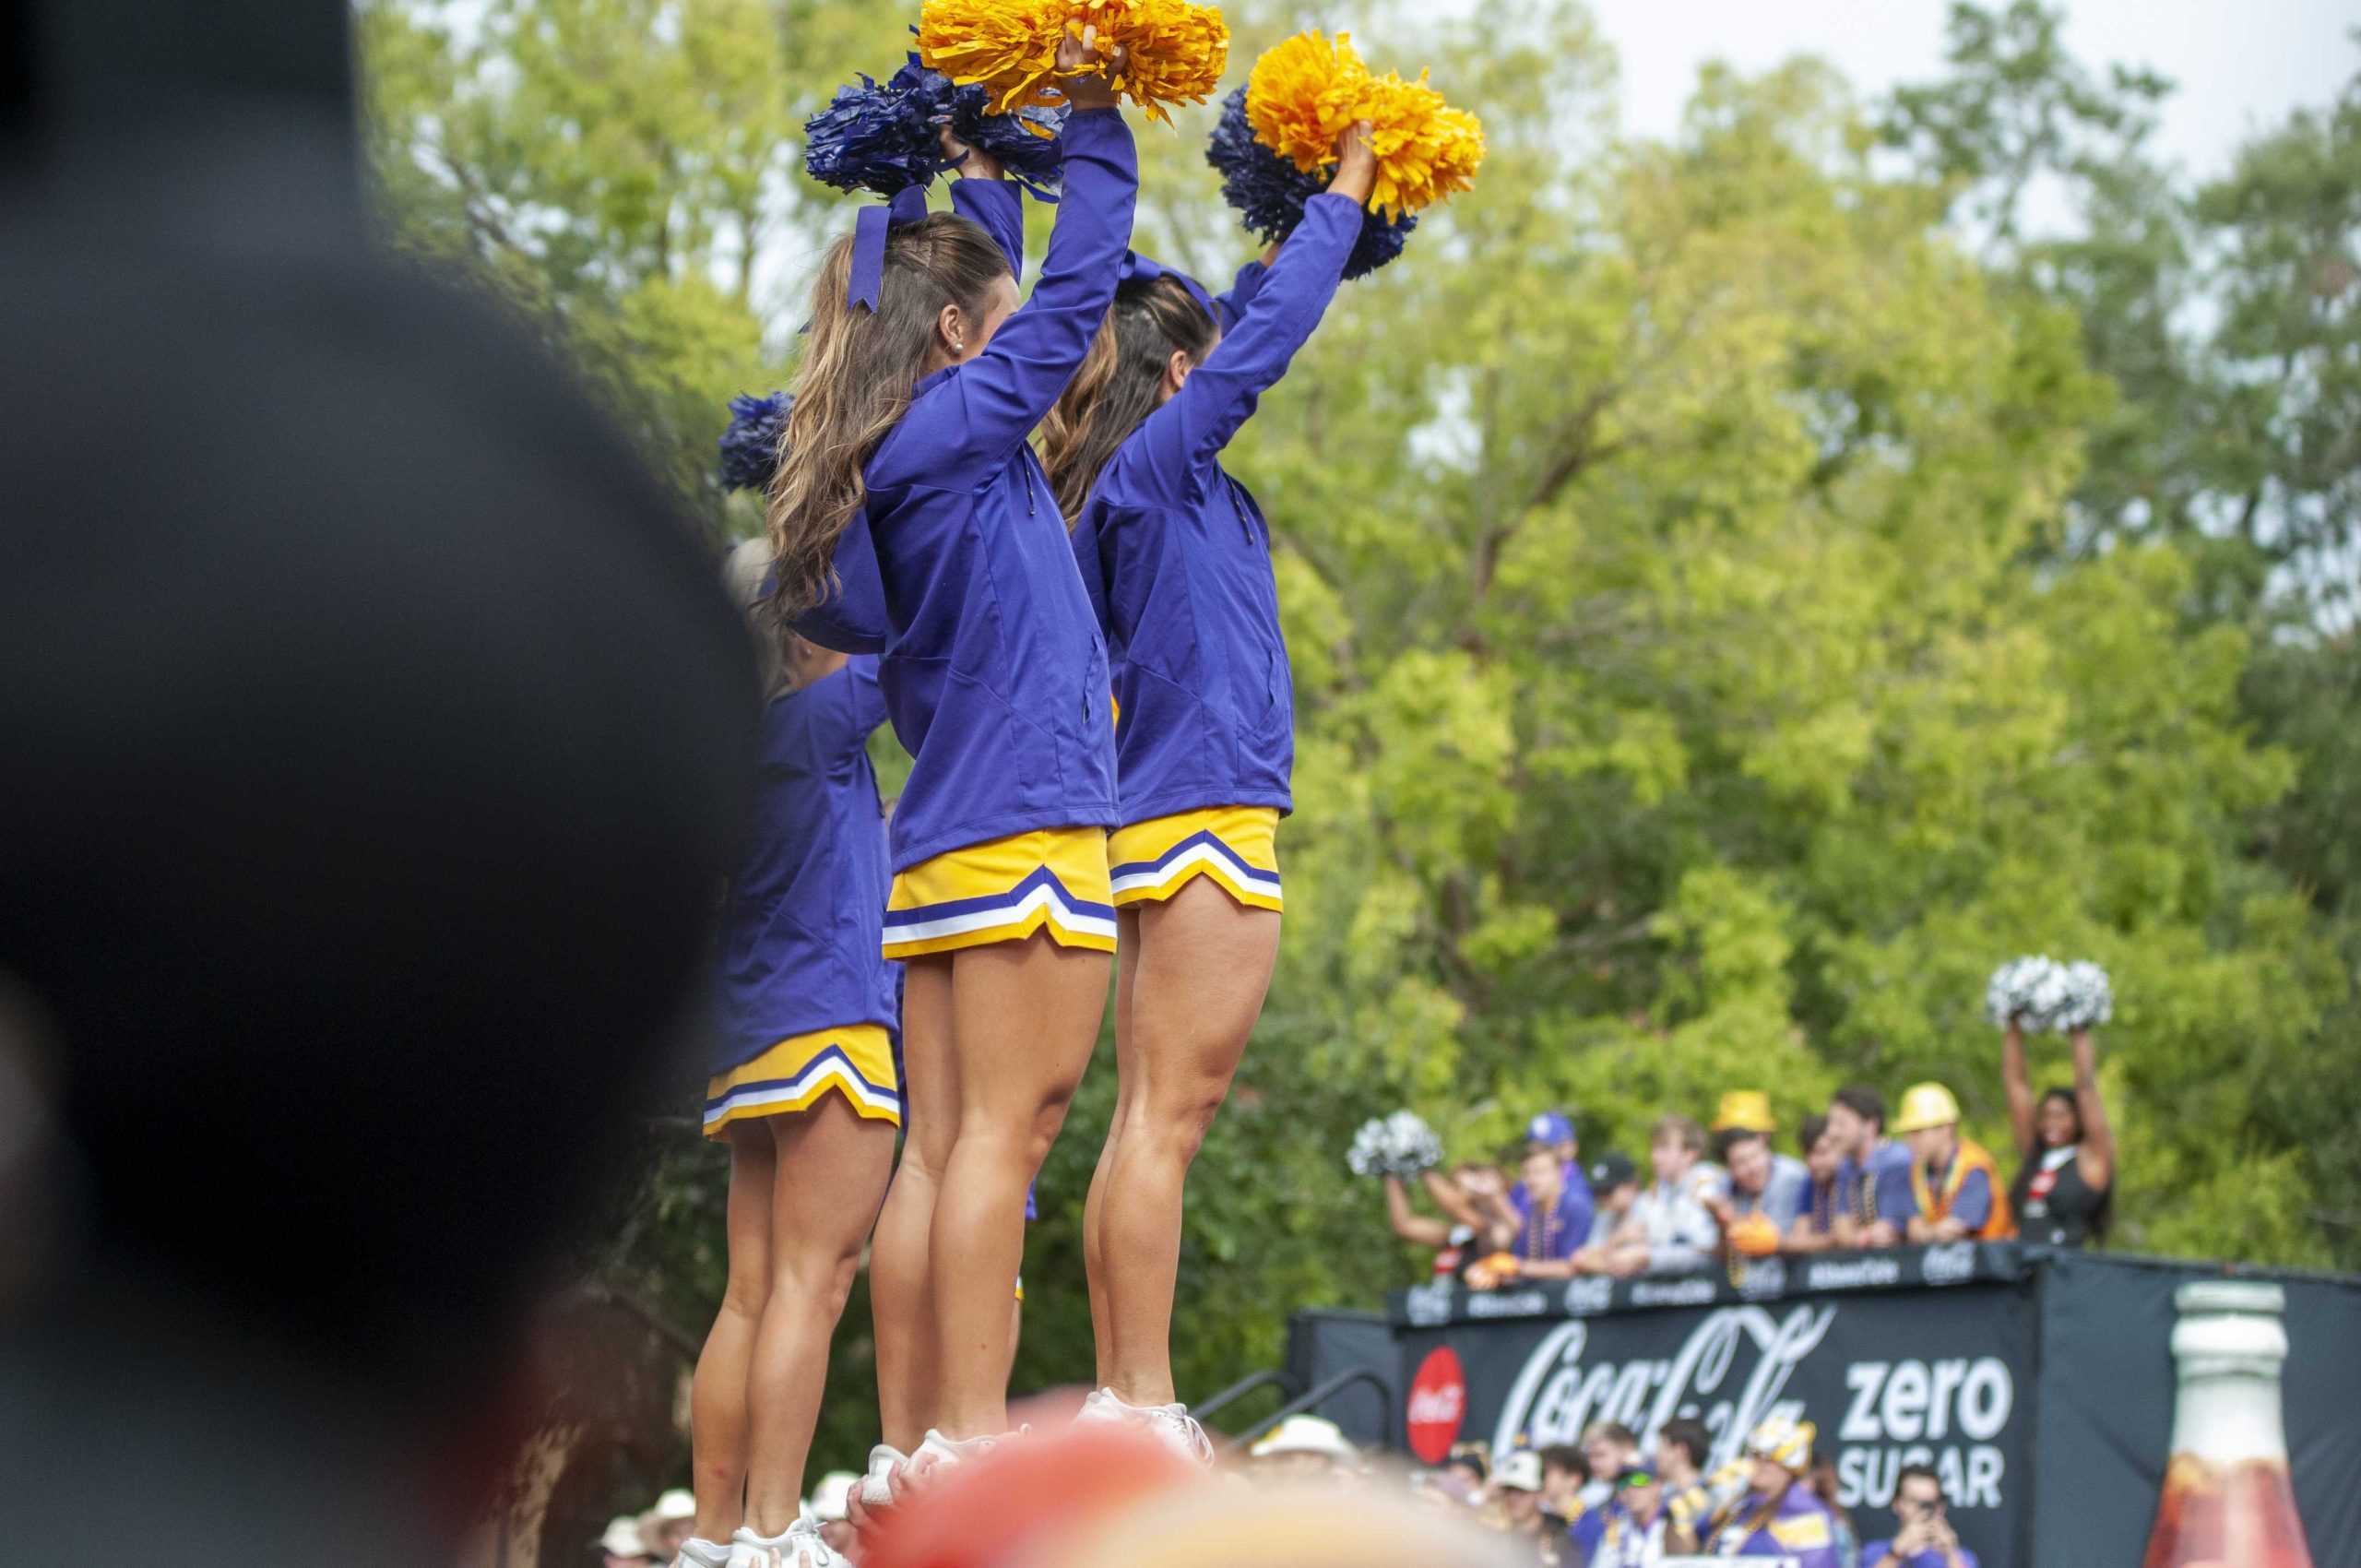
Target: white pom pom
1411,1145
2087,1000
2022,992
2039,995
1367,1157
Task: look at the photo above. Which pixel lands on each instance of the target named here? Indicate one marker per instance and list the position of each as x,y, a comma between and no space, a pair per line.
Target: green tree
1740,591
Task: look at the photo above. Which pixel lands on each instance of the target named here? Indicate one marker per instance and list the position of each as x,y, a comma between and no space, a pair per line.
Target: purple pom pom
1032,159
750,447
875,137
1269,192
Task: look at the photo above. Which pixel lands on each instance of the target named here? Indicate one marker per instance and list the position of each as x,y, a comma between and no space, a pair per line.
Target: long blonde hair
855,385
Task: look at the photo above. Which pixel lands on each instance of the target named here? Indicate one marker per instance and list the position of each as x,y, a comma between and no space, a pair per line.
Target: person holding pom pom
2064,1191
920,382
1177,557
804,1095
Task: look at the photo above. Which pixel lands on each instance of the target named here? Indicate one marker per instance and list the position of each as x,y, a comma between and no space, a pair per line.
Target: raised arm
2097,1158
988,199
1452,1200
1005,391
1408,1225
1198,420
1230,305
2018,1083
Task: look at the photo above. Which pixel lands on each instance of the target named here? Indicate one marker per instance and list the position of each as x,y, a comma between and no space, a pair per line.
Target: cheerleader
1177,556
805,1095
921,380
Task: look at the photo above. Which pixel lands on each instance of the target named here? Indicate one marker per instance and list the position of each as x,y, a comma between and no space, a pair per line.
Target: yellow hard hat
1745,1110
1924,1106
1786,1442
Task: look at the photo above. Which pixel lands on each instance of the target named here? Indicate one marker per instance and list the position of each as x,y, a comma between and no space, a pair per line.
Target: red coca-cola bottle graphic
2227,1502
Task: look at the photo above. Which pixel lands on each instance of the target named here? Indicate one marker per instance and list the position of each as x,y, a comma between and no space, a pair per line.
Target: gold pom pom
1308,91
1174,51
1010,46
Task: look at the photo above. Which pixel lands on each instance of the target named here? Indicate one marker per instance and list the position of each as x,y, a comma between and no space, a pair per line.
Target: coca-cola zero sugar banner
1932,1377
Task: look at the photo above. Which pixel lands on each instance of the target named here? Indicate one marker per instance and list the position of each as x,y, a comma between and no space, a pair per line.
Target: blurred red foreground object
1018,1501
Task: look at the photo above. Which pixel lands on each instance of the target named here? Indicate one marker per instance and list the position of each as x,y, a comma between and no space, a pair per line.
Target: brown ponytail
854,386
1120,382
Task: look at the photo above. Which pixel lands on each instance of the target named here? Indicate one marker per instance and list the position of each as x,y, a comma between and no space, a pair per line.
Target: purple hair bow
869,232
1139,268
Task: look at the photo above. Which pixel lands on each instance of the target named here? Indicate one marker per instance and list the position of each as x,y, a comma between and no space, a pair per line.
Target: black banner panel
1938,1378
2038,1384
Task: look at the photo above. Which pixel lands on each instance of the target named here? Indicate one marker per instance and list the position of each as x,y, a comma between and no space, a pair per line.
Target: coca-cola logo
1437,1404
1559,1391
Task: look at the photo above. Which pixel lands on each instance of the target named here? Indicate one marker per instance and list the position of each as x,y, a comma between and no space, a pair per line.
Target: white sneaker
877,1486
939,1454
798,1546
1170,1424
696,1552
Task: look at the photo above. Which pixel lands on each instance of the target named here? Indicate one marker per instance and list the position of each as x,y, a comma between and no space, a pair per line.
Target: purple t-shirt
1887,1179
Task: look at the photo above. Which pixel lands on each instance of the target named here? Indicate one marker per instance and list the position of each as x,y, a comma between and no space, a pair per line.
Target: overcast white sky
2240,65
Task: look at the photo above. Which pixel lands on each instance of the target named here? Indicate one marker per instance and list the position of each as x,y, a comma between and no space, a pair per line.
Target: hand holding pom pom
1400,1144
1082,53
1268,193
2041,995
1307,92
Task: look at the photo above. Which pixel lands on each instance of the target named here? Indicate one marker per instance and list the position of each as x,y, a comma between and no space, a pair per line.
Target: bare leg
832,1170
900,1296
1026,1017
718,1393
1094,1249
1205,963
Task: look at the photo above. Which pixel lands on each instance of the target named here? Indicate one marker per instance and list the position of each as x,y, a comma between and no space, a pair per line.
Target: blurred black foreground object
373,738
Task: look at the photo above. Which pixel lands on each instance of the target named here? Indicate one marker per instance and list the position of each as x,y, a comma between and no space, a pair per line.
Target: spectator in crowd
1468,1190
1555,1130
1516,1508
1824,1481
1766,1191
621,1546
2066,1185
1564,1473
1541,1244
1668,1230
1694,1495
1465,1472
1611,1446
1780,1514
1955,1184
1873,1182
1614,1185
1927,1540
667,1525
1814,1230
1303,1448
1640,1533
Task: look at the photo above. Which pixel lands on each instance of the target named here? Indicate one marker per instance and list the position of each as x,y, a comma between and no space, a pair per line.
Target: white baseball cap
622,1538
1305,1434
828,1498
673,1506
1521,1472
